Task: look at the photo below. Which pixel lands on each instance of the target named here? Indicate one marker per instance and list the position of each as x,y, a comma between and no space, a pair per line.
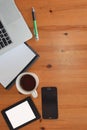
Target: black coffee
28,82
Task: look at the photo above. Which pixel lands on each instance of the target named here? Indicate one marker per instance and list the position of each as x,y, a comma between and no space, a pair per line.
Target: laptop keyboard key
3,30
1,26
0,47
2,44
4,41
4,37
5,34
9,41
7,38
1,35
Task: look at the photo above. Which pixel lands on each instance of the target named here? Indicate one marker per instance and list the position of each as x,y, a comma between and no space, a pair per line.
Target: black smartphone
49,103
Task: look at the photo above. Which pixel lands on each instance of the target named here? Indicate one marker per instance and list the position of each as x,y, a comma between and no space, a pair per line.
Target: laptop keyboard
4,37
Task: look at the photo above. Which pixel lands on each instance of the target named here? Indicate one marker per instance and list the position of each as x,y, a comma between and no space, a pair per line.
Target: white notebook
20,114
13,62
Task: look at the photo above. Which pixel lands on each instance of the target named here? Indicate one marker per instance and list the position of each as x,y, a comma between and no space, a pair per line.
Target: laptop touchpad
9,11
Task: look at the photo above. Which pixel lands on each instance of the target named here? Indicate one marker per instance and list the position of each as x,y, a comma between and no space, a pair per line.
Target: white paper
20,114
13,62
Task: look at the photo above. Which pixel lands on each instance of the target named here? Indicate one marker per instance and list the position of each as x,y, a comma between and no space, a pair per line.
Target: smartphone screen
49,103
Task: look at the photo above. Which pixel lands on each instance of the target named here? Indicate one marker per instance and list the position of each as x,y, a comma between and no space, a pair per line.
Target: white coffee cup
27,83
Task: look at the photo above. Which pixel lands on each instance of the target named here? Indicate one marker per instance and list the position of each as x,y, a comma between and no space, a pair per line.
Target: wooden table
62,48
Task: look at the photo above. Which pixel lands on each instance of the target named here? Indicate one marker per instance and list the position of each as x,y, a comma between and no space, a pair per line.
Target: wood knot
65,33
49,66
42,128
50,10
40,120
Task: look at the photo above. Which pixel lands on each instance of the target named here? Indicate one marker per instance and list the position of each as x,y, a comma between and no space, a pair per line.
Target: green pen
35,24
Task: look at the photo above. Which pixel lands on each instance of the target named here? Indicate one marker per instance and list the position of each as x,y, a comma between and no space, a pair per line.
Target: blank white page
13,62
20,114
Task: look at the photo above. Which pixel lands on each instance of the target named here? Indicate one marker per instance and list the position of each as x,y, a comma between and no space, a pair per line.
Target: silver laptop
13,28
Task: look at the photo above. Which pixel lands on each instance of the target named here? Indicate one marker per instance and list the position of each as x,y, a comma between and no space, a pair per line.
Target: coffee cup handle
35,94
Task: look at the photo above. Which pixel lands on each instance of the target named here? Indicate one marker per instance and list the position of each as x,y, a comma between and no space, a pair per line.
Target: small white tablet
20,114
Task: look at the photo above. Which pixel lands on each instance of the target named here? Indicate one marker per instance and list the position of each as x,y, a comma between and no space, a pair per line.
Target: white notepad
14,62
20,114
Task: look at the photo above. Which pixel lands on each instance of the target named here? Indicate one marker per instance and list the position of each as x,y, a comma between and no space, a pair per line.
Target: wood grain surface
62,47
